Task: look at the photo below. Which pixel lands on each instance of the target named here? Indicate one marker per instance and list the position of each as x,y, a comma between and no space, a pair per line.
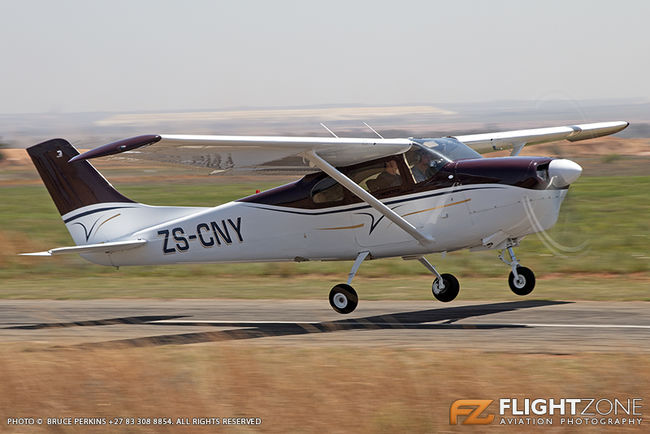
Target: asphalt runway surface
522,326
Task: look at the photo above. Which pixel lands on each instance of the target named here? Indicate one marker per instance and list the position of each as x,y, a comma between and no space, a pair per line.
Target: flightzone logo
547,411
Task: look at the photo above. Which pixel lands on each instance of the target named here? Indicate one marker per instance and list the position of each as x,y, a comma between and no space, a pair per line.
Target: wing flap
91,248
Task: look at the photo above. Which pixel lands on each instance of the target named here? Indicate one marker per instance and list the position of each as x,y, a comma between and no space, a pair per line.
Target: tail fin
71,185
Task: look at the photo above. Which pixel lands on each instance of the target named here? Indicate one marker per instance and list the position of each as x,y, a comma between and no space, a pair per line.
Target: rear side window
377,177
327,190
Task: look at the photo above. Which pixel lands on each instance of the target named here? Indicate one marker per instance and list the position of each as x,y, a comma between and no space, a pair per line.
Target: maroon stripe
71,186
117,147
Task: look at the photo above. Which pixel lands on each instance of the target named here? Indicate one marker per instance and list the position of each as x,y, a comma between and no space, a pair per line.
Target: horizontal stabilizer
91,248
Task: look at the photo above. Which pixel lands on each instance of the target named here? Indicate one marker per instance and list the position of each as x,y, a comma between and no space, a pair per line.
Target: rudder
71,185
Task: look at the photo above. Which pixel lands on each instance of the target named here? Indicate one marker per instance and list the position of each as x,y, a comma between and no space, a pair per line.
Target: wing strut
516,148
355,189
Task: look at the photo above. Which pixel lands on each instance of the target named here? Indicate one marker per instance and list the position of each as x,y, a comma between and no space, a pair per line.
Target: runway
523,326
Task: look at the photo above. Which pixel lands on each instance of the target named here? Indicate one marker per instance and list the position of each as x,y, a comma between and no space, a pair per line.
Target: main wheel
524,284
450,290
343,298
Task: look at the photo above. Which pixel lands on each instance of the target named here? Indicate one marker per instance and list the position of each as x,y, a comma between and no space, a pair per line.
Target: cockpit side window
423,163
382,178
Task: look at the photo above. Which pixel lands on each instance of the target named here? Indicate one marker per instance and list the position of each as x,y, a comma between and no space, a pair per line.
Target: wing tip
118,147
601,129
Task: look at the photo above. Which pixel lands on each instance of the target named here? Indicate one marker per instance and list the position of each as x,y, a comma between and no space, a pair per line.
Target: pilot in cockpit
421,168
427,163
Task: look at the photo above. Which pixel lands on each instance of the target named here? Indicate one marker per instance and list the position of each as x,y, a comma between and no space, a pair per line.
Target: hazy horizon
442,105
93,128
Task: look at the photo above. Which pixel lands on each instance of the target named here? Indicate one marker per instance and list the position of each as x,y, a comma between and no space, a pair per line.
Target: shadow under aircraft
427,319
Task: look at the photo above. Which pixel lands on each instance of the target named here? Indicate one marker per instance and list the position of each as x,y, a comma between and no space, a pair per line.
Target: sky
152,55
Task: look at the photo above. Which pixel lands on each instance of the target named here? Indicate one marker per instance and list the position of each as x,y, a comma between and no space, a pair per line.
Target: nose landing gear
523,283
521,279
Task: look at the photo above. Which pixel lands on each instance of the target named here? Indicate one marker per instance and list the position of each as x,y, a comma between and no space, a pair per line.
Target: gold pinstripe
437,207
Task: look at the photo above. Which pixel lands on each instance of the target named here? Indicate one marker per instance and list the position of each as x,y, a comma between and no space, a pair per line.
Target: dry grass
323,389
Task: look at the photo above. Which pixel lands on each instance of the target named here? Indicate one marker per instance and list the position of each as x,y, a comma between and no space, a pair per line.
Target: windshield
448,148
428,156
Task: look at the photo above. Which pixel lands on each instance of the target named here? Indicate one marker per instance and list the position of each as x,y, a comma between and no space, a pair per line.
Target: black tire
343,298
526,282
450,291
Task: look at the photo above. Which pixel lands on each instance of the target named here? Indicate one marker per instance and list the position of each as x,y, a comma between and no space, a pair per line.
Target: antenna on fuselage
373,130
330,131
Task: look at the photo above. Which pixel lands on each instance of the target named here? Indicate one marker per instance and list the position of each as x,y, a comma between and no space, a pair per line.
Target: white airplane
360,199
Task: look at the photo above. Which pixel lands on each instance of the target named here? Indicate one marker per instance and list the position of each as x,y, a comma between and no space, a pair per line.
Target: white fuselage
456,217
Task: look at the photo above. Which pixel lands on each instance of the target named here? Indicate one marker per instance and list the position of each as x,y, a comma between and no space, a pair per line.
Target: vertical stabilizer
71,185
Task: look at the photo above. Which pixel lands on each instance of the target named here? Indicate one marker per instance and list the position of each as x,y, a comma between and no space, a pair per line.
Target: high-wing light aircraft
359,199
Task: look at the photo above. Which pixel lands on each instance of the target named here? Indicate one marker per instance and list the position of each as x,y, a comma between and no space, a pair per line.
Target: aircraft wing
249,153
271,154
490,142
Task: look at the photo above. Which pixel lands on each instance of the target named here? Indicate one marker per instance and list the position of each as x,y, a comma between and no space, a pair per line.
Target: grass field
609,214
334,390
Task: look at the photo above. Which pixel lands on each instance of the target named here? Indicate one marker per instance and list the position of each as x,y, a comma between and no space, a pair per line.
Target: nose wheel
523,283
521,279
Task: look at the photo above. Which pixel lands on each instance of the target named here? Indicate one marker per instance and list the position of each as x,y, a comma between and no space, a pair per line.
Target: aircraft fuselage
468,204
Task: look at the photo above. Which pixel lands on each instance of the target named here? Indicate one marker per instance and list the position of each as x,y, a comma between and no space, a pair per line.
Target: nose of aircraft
563,172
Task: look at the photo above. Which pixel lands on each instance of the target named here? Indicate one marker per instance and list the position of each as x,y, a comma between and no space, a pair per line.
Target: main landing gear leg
521,279
343,297
445,287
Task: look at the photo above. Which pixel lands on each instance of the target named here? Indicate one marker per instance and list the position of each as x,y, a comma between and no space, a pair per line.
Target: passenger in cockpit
390,176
